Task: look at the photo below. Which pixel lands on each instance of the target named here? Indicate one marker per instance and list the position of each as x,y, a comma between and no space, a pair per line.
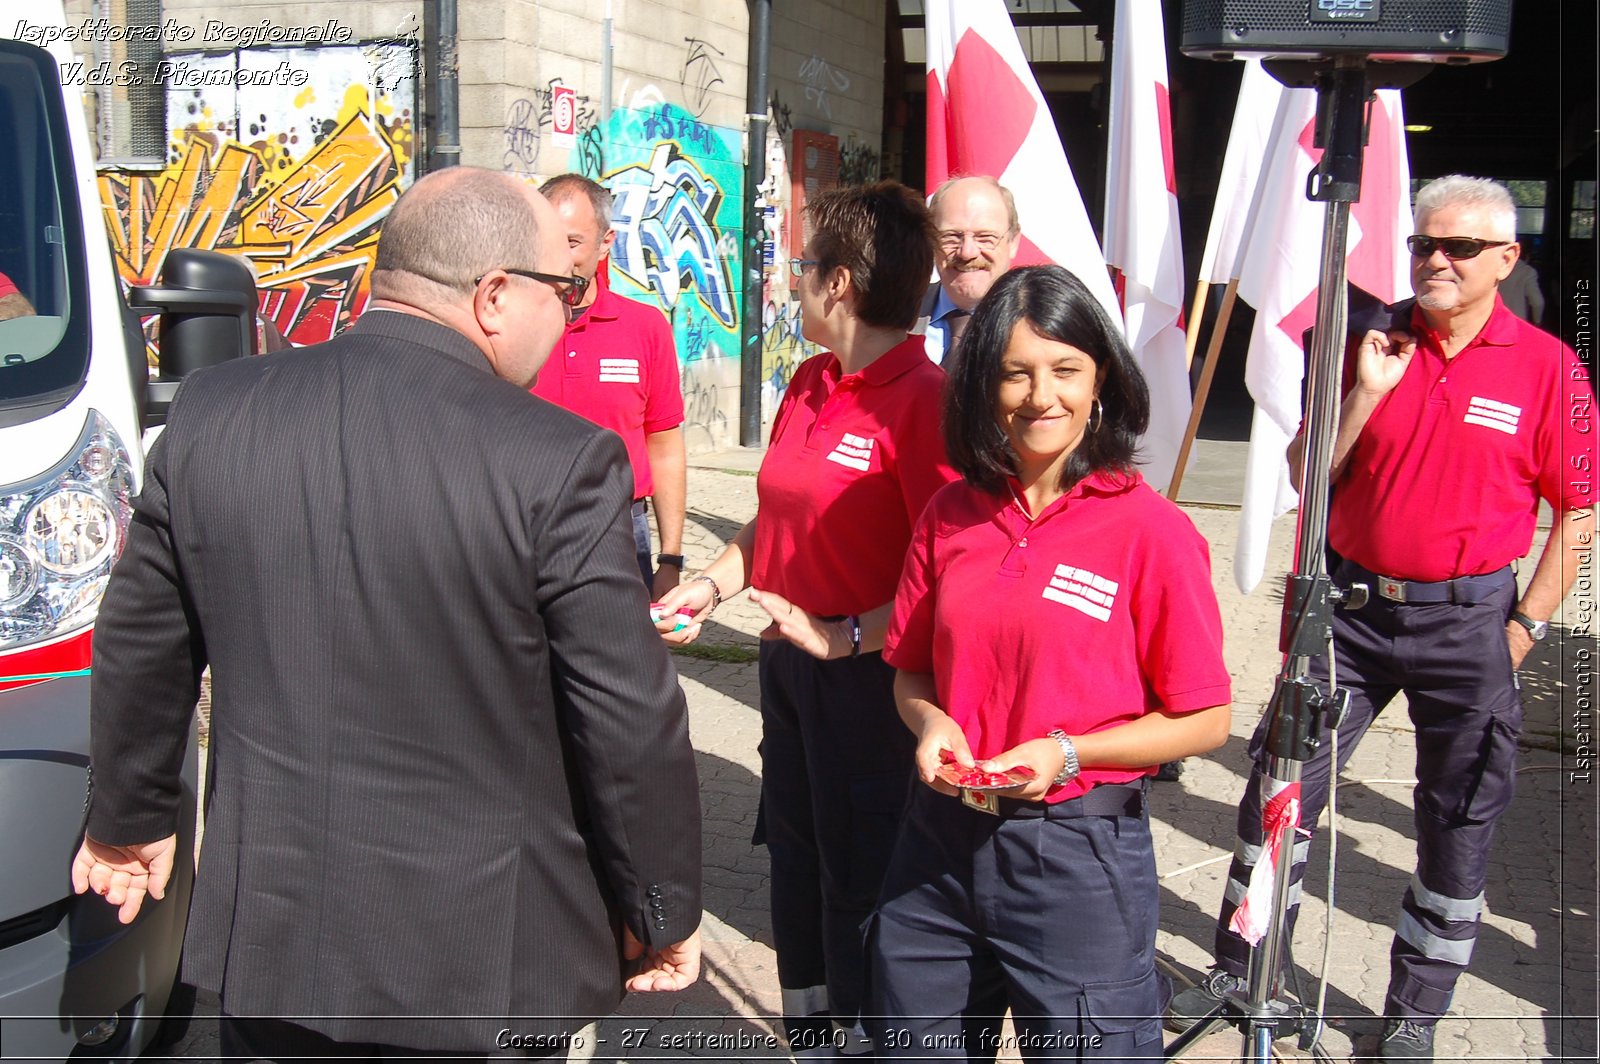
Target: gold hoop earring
1097,416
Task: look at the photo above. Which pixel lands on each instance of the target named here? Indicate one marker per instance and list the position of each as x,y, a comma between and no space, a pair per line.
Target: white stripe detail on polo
853,451
1491,414
620,370
1443,906
1086,592
1430,945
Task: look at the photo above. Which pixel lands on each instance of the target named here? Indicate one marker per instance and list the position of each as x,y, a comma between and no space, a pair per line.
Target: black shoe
1189,1007
1406,1040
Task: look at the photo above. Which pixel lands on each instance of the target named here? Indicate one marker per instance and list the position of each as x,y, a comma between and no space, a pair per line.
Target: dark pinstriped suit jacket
449,752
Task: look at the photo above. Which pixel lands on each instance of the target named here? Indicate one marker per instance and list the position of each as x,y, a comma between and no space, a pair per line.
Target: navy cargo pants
836,768
1048,910
1453,663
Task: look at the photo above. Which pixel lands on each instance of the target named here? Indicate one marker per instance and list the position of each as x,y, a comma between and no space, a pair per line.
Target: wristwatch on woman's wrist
1069,758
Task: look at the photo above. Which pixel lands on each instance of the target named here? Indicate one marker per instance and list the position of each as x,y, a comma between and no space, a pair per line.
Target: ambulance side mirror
207,304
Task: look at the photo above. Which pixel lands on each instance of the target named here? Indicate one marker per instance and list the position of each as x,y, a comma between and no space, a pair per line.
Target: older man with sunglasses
1458,418
617,365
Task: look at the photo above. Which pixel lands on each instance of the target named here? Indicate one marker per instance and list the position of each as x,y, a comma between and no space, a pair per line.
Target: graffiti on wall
676,183
821,78
782,346
858,162
295,182
527,118
699,74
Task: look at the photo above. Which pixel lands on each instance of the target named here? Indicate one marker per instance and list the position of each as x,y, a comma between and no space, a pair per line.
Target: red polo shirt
1446,478
1094,614
6,286
851,463
617,366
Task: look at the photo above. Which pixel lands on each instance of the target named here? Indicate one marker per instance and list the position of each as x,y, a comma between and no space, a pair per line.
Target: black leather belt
1108,799
1462,590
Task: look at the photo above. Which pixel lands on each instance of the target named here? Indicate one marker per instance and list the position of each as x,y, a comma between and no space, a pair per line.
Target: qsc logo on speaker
1344,10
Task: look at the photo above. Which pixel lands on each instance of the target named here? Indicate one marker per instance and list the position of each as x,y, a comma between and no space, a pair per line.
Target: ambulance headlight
59,535
73,530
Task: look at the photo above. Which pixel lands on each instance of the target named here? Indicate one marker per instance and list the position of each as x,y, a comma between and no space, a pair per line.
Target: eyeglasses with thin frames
951,239
797,267
569,289
1455,248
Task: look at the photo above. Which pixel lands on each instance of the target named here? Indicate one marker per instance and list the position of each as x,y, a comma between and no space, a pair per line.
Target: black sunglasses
568,289
1455,248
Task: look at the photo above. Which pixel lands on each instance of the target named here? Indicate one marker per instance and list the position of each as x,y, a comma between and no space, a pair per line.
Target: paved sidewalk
1536,955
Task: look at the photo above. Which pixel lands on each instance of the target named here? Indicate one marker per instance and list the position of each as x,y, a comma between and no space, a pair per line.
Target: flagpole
1192,334
1203,389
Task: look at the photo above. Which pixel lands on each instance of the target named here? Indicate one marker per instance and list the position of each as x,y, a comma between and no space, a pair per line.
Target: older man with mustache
978,234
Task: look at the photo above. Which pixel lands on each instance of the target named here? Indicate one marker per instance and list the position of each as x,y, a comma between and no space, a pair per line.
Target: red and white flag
1279,277
1254,914
986,115
1143,241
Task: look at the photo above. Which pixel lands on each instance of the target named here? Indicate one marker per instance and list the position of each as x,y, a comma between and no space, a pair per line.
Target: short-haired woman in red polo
1055,616
855,454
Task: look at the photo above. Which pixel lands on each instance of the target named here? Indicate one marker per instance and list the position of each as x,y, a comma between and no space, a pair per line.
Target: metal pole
605,67
1299,708
447,146
755,175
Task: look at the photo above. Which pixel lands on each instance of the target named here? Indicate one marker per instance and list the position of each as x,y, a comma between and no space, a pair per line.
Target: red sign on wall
563,116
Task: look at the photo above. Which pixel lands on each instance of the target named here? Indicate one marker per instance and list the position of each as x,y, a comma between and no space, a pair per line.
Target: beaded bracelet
716,592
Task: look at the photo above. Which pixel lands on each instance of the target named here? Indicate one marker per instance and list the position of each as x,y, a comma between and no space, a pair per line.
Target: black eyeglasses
1455,248
568,289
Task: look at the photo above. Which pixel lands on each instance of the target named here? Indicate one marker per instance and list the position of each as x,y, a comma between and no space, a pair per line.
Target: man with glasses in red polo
617,366
1458,418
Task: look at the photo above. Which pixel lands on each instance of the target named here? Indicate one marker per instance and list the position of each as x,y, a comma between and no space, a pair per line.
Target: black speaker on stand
1452,32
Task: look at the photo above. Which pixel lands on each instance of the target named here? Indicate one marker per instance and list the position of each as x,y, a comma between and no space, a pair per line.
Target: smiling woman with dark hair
1054,624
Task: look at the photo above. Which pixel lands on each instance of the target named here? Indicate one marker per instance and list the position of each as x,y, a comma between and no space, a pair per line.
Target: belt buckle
1391,589
982,801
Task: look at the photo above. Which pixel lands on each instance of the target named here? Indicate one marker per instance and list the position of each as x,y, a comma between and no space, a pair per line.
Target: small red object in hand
979,780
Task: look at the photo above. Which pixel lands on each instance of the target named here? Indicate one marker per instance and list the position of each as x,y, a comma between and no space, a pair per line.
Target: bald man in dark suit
450,767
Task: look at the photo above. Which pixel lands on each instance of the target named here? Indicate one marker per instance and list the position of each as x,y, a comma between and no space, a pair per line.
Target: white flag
1238,188
1142,236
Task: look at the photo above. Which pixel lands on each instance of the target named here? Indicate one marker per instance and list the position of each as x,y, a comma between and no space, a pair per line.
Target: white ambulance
75,402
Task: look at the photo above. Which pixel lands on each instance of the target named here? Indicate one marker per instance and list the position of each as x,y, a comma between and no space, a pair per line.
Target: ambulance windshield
43,321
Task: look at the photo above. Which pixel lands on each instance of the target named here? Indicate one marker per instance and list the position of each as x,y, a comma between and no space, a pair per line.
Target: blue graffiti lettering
665,237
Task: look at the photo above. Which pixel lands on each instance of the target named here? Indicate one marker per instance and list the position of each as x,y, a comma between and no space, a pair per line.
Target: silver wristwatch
1069,758
1537,630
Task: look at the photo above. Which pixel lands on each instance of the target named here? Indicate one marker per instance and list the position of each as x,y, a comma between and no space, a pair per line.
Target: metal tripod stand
1300,712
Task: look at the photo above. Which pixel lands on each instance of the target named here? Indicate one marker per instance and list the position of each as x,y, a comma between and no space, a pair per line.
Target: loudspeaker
1412,31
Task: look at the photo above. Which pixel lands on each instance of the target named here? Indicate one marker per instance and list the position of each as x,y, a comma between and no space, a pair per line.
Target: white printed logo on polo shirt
1491,414
619,370
1084,591
853,451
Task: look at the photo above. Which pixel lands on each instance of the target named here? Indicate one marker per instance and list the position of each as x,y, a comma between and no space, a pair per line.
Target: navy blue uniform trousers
1454,665
1047,913
836,767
